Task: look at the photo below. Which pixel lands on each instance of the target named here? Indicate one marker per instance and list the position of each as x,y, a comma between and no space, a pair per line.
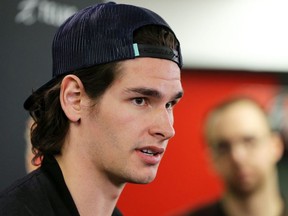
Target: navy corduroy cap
103,33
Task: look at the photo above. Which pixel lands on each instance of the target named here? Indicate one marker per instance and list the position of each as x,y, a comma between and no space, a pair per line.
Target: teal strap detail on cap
156,51
136,50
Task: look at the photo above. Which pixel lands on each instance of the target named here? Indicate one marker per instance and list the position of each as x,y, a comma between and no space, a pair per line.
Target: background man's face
243,149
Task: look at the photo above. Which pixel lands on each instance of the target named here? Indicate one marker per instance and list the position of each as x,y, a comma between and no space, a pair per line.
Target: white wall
233,34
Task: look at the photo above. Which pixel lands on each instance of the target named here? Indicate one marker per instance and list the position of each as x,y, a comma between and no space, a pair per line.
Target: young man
244,150
106,116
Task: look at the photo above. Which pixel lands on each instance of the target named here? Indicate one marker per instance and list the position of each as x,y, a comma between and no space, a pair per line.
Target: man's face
243,148
128,131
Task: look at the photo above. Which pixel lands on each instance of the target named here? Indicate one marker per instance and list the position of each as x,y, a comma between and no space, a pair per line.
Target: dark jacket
42,192
214,209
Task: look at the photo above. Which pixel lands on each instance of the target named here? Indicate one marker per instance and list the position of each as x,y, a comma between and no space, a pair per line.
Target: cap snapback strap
163,52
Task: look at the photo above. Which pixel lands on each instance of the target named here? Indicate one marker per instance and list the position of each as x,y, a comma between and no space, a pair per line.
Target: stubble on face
244,190
120,127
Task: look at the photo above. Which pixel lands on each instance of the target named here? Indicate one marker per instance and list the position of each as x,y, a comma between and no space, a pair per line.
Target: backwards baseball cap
103,33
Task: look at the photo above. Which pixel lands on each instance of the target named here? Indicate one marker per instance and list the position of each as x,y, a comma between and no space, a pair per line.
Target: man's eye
170,105
250,142
139,101
222,147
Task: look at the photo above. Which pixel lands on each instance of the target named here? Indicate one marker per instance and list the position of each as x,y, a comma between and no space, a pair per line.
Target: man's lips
151,150
242,176
150,154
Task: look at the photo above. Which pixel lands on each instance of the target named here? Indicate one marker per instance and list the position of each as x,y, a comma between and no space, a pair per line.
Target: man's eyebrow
145,92
152,92
178,95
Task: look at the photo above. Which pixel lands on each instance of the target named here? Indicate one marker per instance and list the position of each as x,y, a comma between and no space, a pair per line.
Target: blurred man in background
244,150
28,149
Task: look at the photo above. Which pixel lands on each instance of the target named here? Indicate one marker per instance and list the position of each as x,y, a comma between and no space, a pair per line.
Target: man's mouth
149,152
152,150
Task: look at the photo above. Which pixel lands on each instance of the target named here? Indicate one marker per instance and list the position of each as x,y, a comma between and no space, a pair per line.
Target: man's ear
278,145
71,93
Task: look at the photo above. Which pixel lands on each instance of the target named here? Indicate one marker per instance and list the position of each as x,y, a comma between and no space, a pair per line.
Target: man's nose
162,126
238,153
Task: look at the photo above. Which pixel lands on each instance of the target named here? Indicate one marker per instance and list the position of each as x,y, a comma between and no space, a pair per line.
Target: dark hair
50,122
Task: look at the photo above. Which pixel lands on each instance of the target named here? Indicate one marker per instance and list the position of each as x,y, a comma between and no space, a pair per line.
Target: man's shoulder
116,212
24,196
22,185
210,209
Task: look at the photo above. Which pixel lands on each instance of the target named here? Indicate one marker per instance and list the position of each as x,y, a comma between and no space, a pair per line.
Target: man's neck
92,193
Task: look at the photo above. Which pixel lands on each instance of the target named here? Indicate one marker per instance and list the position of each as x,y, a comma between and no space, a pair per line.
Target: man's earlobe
70,97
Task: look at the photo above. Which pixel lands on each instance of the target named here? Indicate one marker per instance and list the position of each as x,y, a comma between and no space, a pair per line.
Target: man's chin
244,190
143,180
